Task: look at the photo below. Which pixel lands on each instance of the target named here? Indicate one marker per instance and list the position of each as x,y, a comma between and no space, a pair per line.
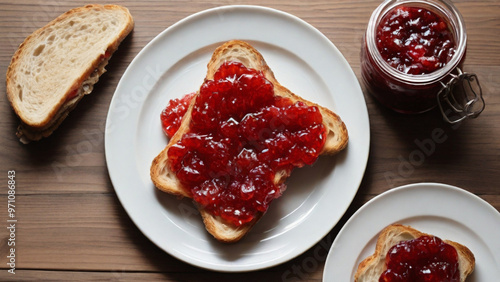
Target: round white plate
173,64
442,210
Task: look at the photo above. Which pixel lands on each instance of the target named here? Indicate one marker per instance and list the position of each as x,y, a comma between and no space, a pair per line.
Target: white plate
174,63
445,211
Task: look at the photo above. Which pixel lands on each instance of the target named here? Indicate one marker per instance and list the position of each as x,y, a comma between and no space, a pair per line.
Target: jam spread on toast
240,136
415,40
171,116
425,258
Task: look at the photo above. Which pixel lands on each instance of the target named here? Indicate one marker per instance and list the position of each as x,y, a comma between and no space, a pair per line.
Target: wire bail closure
461,98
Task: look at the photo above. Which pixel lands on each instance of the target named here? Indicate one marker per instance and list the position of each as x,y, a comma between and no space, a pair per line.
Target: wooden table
70,222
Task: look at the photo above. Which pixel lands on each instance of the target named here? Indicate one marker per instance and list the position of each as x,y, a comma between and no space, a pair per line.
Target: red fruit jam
240,136
410,50
171,116
415,40
423,259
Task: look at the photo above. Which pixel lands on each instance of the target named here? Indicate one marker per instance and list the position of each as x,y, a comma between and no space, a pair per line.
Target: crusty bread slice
59,63
371,268
235,50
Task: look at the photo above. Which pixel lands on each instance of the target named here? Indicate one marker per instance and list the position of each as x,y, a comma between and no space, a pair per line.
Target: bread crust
34,129
166,181
372,267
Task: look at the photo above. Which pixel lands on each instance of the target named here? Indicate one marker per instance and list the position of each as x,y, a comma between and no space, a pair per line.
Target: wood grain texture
71,225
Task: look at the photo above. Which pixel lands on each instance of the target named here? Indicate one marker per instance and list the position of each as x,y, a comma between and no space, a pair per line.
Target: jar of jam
411,59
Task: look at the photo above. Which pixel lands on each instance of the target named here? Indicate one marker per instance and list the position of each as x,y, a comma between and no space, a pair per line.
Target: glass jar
401,91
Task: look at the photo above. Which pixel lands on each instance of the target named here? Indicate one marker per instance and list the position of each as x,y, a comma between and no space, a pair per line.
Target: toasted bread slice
244,53
371,268
59,63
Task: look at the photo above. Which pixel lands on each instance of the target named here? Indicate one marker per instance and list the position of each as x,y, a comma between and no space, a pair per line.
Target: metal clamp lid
461,97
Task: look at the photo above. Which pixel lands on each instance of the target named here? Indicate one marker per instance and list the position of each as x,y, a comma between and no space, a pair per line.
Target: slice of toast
59,63
239,51
371,268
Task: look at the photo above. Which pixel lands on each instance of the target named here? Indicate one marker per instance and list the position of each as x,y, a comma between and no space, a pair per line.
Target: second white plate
173,64
442,210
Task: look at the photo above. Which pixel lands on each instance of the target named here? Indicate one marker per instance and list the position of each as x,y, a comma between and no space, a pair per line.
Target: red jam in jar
409,50
240,136
426,258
